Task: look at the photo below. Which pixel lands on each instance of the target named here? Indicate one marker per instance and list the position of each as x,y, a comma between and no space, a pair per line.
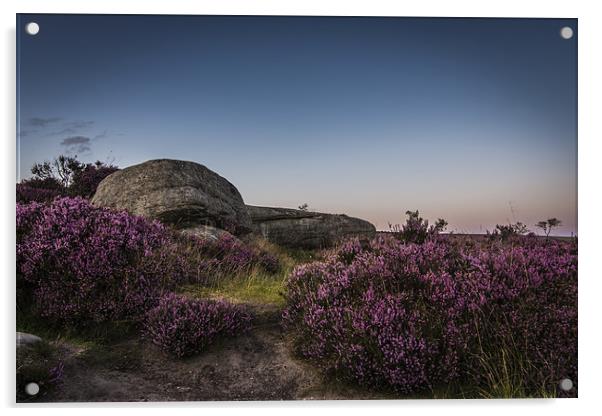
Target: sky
471,120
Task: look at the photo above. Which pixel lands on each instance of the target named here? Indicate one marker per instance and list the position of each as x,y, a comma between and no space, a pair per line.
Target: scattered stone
205,232
23,339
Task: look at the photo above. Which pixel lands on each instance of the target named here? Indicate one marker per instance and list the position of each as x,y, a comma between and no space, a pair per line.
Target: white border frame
590,135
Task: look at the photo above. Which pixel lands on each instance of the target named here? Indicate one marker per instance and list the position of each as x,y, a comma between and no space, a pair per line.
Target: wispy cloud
43,122
70,141
101,135
71,127
61,132
54,126
77,135
76,144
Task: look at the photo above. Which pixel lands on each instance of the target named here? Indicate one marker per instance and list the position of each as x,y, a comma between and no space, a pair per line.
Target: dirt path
255,366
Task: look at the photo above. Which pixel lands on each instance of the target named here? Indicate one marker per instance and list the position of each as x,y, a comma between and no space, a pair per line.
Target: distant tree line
417,230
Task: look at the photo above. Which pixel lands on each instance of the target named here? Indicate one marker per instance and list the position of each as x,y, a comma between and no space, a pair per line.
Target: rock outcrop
183,194
302,229
206,232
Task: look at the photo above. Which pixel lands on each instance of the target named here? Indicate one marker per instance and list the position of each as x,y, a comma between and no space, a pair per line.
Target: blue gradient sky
472,120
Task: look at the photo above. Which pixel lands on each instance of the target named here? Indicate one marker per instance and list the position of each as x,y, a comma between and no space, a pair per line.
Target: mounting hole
566,32
566,384
32,389
32,28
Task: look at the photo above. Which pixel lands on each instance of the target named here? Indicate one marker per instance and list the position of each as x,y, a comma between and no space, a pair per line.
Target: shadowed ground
255,366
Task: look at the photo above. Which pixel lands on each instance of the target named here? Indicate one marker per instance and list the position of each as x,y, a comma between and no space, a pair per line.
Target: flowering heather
84,263
56,373
39,190
268,262
211,260
183,326
413,316
91,264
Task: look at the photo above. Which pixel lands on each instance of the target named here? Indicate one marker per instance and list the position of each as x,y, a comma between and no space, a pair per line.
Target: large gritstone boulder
183,194
302,229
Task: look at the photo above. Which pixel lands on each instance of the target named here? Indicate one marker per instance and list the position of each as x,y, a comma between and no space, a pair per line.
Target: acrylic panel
295,207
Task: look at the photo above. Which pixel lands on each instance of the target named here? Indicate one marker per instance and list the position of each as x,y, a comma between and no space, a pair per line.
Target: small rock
205,232
23,338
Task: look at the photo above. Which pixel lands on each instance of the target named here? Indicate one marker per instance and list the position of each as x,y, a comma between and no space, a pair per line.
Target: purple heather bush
413,316
268,262
211,260
85,263
39,190
417,229
184,326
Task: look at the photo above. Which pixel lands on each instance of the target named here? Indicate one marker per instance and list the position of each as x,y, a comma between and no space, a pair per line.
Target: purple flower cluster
56,373
39,190
211,260
183,326
229,251
268,262
85,263
413,316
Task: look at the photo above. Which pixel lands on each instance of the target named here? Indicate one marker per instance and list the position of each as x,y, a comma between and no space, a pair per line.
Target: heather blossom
84,263
211,260
184,326
412,316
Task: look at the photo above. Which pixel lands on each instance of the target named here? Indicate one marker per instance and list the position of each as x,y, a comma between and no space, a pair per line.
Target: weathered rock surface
184,194
23,339
304,229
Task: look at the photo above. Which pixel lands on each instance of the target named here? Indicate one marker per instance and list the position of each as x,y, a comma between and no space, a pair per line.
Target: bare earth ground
255,366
